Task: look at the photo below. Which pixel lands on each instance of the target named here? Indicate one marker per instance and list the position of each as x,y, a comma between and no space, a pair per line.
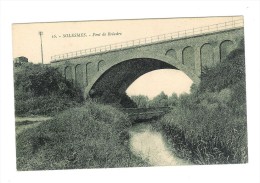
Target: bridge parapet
238,23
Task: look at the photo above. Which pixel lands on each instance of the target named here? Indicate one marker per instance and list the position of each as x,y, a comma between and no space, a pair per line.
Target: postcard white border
48,11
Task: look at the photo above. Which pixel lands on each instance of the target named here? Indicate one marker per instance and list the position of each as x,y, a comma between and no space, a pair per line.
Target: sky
26,39
58,38
170,81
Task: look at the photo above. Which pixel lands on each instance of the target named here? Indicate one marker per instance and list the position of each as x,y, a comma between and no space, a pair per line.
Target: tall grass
204,137
93,136
209,126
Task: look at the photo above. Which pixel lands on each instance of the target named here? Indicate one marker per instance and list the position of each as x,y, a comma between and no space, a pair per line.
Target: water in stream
150,146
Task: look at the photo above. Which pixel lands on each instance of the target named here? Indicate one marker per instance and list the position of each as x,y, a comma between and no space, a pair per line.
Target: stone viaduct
114,70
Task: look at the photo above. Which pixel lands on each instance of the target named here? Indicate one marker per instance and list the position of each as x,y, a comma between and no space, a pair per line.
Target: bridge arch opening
111,86
169,81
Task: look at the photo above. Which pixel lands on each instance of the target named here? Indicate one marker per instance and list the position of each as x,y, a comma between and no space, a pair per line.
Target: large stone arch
118,77
225,48
188,57
206,55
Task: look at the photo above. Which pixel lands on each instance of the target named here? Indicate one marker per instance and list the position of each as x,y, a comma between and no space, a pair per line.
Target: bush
160,100
41,89
93,136
141,101
225,74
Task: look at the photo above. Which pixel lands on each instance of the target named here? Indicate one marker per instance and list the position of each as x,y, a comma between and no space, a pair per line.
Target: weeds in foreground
206,140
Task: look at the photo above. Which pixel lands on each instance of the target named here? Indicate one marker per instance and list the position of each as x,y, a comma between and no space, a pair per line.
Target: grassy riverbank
209,125
92,136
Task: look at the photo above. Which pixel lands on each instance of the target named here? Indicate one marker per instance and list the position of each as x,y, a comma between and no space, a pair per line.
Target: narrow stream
151,147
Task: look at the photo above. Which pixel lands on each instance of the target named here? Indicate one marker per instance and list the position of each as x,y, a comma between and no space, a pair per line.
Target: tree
38,80
160,100
172,100
141,101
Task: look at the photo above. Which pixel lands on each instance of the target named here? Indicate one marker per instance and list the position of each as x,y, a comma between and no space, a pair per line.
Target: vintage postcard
130,93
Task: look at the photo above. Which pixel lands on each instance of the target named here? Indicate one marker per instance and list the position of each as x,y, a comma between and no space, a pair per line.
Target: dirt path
32,119
24,123
150,146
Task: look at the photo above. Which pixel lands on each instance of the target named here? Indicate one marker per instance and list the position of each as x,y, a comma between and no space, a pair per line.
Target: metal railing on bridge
238,23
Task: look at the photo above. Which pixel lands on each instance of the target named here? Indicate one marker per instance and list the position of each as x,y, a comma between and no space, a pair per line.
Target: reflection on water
150,146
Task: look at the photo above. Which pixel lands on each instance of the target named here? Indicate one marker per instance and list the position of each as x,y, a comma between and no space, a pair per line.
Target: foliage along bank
209,126
42,90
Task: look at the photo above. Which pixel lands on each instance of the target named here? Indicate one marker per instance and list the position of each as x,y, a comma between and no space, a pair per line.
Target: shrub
160,100
141,101
41,89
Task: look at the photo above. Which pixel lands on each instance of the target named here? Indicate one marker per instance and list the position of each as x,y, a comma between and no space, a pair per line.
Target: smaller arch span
68,73
188,57
88,72
79,81
171,53
225,48
100,65
206,55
